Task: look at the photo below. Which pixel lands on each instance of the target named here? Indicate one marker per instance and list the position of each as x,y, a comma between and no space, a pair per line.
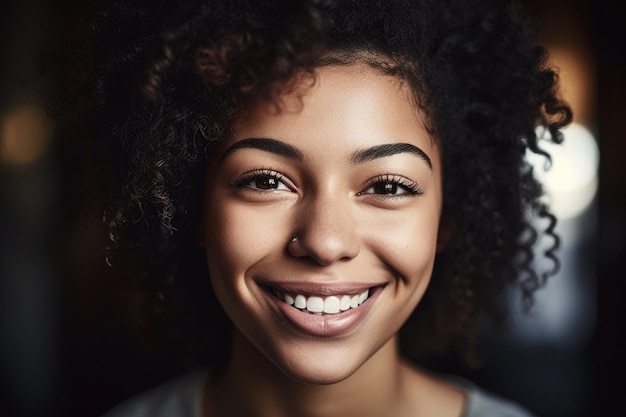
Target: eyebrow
388,149
265,144
363,155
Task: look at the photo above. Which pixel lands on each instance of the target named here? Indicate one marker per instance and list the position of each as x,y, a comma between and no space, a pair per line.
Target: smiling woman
343,184
363,201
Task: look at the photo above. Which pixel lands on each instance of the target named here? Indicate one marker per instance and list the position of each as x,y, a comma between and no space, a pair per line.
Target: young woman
344,180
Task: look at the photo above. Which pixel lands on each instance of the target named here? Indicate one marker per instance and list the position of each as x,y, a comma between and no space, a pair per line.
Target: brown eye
266,183
386,188
392,186
262,180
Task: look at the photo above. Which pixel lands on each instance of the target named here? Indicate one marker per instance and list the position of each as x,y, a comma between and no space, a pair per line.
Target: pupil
266,183
387,188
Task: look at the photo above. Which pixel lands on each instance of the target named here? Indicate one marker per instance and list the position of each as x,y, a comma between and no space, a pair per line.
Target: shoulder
482,403
177,398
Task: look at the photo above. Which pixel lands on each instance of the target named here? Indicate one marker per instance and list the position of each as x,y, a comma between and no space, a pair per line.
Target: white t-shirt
181,397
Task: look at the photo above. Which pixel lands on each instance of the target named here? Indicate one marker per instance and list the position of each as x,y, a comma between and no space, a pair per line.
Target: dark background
69,344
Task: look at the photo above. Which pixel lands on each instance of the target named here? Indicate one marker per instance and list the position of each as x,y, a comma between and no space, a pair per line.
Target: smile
333,304
322,310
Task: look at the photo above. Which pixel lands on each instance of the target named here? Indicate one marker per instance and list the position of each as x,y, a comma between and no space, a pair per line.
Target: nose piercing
293,240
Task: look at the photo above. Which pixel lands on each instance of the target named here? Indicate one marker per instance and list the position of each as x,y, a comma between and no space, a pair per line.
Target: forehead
337,98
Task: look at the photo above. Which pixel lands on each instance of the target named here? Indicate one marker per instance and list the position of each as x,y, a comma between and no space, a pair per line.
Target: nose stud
290,245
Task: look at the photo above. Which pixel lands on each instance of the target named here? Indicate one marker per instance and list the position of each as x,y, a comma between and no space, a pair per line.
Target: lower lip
328,325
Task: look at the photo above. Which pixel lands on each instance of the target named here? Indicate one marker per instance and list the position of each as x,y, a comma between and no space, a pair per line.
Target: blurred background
66,348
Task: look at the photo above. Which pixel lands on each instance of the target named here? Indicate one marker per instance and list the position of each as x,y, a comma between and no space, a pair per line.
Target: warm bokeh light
577,75
25,136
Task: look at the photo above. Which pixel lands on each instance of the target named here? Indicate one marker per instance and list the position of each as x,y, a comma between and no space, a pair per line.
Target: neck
252,386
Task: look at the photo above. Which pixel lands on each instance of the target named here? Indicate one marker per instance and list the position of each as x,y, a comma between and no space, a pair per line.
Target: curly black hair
166,79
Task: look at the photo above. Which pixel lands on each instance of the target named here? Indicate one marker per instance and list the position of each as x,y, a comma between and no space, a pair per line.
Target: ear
447,227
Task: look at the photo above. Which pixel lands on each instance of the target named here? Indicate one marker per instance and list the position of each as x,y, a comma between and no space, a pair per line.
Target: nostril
324,248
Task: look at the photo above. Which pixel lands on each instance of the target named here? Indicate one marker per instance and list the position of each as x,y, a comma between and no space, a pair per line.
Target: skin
350,232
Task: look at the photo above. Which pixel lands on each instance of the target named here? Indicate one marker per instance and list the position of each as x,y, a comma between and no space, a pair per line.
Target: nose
326,230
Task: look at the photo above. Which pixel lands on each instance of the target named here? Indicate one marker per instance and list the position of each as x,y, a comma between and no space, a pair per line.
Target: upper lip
321,289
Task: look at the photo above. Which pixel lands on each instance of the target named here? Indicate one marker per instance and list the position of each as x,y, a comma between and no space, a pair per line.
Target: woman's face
347,167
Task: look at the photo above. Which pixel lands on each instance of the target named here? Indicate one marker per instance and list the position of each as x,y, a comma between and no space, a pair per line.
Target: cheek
408,249
409,244
238,237
227,240
232,248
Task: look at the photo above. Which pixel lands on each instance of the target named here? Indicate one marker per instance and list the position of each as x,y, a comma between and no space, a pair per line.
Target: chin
319,375
322,362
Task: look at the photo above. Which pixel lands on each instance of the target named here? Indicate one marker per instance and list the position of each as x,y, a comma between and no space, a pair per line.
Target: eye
392,186
262,180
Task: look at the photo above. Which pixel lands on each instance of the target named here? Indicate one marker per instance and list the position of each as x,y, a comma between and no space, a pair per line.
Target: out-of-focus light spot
572,180
577,76
24,137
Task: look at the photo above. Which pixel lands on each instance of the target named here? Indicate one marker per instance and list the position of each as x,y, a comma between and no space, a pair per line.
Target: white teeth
345,303
289,299
315,304
330,305
300,301
354,301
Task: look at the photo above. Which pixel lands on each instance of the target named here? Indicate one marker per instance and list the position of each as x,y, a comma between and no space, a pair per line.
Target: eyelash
402,183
